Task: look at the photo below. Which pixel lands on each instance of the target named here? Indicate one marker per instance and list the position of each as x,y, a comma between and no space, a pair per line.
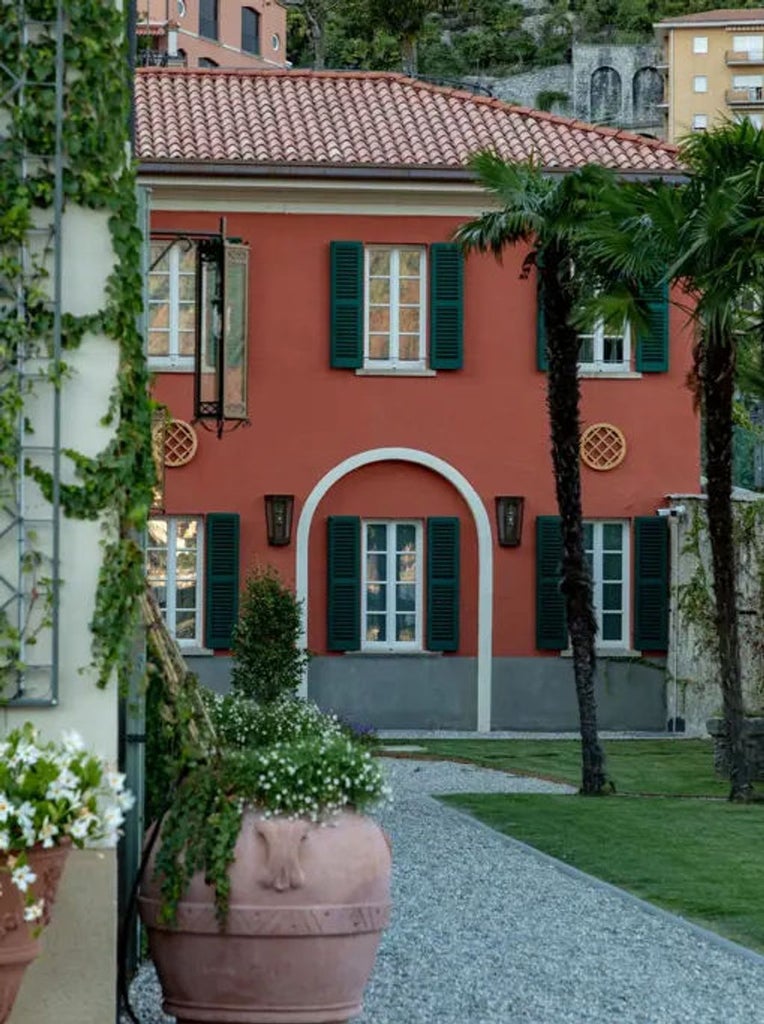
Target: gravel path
486,931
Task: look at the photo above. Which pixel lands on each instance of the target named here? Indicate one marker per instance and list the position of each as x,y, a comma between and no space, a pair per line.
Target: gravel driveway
486,931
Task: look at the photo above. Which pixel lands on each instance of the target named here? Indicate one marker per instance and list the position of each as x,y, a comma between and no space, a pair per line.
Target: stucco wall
74,980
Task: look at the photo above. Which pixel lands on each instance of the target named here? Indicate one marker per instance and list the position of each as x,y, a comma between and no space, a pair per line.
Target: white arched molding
485,554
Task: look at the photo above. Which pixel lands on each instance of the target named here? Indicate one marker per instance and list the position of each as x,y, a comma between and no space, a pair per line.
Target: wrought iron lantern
509,519
278,518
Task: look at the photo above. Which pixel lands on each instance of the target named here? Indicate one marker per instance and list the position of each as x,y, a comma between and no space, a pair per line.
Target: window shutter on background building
221,578
653,341
446,306
344,583
542,360
551,620
651,583
346,305
443,583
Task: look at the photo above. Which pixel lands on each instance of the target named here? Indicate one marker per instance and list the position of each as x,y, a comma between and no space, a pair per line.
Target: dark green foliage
267,659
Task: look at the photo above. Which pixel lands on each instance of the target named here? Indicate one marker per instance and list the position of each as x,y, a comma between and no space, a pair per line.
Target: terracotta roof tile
731,15
359,119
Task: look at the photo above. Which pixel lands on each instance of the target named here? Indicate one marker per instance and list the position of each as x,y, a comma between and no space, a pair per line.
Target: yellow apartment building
714,67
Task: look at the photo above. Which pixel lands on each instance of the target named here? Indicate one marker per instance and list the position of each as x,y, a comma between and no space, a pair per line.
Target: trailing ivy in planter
115,485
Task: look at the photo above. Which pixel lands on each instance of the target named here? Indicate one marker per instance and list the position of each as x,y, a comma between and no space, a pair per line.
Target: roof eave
219,169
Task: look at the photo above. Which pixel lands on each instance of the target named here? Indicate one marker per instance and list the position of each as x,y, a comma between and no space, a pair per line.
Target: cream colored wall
74,981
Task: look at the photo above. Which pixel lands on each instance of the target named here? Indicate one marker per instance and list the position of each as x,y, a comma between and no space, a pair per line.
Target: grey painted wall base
431,691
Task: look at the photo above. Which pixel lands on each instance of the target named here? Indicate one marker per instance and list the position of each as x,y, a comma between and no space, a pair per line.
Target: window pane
379,291
160,593
405,628
379,319
379,346
185,625
186,564
405,597
159,286
409,290
376,567
409,263
408,347
405,537
586,349
406,568
611,626
612,536
379,262
187,259
611,567
186,343
164,263
187,287
611,597
376,537
612,349
588,536
376,597
159,343
408,319
376,628
157,533
156,562
186,317
159,315
185,595
186,531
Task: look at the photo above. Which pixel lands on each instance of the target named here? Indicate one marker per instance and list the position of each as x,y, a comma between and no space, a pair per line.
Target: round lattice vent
603,446
179,443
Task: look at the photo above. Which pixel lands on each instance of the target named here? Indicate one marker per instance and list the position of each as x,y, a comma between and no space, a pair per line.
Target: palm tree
546,214
705,236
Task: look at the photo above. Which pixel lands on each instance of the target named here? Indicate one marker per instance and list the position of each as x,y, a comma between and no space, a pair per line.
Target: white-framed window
391,585
751,45
606,543
699,122
700,83
172,305
603,350
395,314
700,44
174,572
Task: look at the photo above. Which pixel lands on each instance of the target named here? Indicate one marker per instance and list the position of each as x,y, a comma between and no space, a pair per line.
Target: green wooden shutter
221,578
344,584
551,620
542,360
446,306
651,585
346,305
653,342
443,583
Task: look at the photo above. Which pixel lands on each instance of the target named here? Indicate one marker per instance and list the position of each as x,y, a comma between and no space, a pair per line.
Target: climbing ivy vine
116,485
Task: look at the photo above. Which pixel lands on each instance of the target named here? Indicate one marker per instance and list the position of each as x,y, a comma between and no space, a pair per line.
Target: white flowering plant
241,724
54,793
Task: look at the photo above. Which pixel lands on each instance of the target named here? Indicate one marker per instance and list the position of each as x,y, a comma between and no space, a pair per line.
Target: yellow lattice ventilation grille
603,446
180,443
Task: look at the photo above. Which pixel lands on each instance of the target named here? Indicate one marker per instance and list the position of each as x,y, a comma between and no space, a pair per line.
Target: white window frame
599,364
699,122
173,360
753,45
393,362
597,582
700,83
170,608
392,644
700,44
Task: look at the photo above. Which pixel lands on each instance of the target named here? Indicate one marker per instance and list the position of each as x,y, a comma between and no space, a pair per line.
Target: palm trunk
563,398
717,375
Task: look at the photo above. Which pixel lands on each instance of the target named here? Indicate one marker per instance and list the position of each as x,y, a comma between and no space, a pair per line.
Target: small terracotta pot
308,904
18,944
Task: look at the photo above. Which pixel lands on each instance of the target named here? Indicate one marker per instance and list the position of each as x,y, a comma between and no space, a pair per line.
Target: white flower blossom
72,741
22,877
34,911
48,832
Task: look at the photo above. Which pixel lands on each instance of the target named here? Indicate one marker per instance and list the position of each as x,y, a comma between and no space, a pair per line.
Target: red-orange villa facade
390,392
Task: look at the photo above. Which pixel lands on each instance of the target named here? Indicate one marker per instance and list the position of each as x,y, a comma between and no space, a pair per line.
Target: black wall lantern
278,518
509,519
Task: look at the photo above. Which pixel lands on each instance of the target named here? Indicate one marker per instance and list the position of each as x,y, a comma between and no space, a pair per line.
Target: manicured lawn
666,767
698,858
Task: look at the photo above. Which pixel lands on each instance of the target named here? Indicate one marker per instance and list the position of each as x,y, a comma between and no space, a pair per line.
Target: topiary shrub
267,660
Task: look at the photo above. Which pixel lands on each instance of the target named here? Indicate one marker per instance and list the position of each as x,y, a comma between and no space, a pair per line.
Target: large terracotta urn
308,904
19,939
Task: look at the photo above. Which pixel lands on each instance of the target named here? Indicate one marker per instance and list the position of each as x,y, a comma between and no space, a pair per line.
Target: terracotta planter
308,905
18,945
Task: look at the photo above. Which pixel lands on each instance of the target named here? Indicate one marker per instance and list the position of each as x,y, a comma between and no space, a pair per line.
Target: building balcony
745,57
751,97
